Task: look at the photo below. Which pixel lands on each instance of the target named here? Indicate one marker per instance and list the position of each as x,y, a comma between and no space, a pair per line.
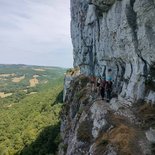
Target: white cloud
33,31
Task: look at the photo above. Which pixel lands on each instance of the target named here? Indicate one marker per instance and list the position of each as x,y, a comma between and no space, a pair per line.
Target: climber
109,74
98,85
93,83
102,88
108,88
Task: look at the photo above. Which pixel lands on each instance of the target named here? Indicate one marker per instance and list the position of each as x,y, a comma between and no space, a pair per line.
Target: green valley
30,103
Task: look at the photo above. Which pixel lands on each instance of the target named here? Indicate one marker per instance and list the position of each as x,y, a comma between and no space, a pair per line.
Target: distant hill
26,79
30,102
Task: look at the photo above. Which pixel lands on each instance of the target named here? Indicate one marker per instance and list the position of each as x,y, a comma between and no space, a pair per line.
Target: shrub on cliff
84,131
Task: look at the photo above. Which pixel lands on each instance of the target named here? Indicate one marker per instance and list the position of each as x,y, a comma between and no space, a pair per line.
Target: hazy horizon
35,32
33,65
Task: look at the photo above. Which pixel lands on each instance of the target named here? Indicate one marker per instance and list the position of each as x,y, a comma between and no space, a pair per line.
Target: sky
35,32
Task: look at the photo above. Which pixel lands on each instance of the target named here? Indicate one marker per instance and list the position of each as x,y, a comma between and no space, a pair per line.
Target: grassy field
30,103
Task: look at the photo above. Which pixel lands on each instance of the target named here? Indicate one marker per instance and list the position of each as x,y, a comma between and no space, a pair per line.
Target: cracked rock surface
117,35
91,126
120,37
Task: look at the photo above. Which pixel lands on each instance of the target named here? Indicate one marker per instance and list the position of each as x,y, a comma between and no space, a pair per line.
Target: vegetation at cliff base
29,115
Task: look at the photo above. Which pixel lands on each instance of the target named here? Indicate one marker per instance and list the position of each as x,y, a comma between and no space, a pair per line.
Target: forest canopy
29,120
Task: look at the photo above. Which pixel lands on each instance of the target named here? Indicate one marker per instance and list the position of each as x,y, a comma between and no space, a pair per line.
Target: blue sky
35,32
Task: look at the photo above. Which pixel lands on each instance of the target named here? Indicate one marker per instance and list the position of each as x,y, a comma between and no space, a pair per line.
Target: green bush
31,123
84,80
84,131
104,142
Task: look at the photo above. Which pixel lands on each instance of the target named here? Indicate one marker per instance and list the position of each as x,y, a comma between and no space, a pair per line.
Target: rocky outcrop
151,135
70,75
91,126
117,35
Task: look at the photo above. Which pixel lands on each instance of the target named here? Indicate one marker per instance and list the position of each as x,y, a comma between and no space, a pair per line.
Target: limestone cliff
115,34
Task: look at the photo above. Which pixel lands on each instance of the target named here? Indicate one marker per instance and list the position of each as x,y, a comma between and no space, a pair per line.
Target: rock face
91,126
117,35
69,77
151,135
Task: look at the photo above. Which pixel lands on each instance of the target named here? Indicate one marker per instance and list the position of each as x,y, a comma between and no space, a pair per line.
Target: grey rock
67,81
91,14
121,39
117,35
151,97
150,134
110,151
99,112
103,5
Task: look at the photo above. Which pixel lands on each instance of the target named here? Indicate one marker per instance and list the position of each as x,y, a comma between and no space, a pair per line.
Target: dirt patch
8,106
84,131
73,71
35,76
33,82
32,93
39,69
25,90
7,75
18,79
122,136
3,95
4,79
147,114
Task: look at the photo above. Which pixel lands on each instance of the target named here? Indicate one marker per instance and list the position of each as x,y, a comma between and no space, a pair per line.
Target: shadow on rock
46,143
